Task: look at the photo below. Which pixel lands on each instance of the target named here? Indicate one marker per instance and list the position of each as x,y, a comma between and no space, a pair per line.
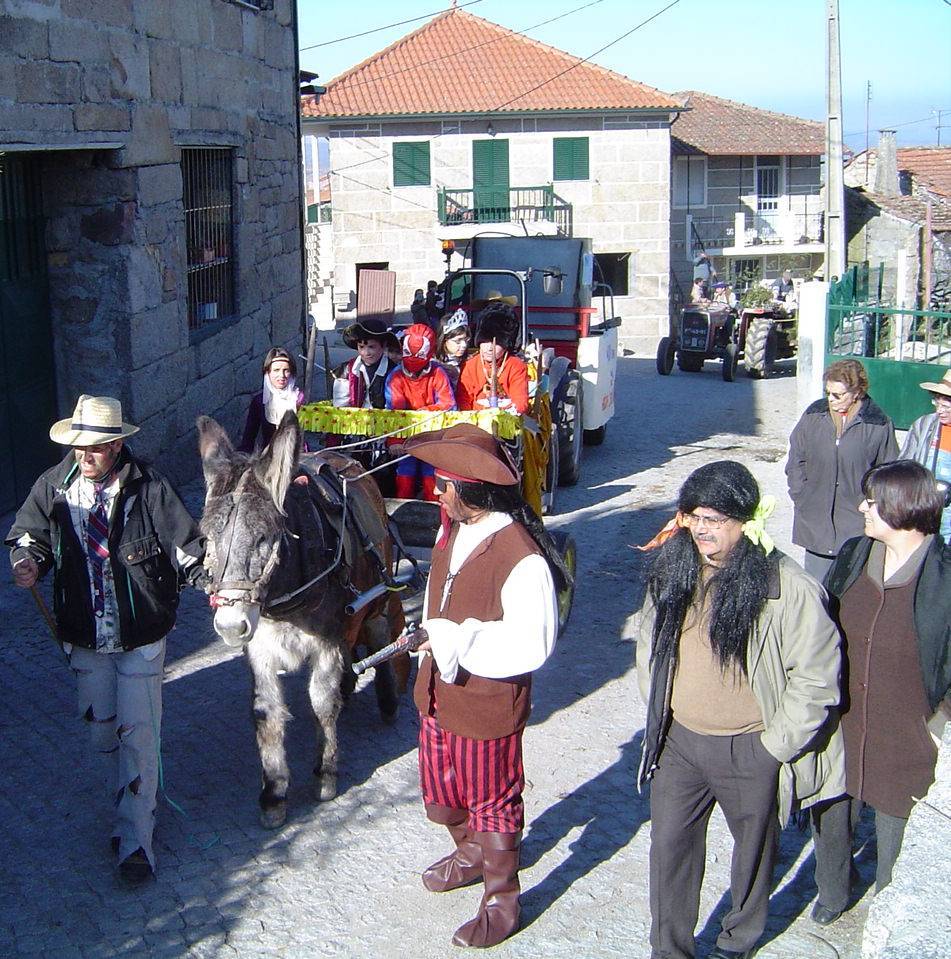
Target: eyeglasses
942,403
869,501
838,396
710,522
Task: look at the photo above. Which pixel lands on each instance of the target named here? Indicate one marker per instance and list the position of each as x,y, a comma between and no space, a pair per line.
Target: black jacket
149,523
932,606
825,477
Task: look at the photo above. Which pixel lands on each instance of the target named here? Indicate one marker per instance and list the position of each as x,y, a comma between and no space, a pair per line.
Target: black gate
27,384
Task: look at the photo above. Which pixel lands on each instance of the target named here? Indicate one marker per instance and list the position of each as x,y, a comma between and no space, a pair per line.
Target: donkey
269,532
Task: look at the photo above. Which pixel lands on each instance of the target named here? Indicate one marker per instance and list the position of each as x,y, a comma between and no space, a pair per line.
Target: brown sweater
889,753
474,706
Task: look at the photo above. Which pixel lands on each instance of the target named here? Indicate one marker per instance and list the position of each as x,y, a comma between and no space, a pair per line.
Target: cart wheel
730,359
565,544
595,437
665,356
568,424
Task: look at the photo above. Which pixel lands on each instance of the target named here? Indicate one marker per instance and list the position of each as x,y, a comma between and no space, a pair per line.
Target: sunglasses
440,485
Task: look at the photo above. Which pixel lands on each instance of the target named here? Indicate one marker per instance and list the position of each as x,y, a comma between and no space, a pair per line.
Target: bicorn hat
370,328
467,453
96,420
944,387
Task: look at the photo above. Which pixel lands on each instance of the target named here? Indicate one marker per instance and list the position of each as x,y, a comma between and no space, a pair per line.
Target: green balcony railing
528,204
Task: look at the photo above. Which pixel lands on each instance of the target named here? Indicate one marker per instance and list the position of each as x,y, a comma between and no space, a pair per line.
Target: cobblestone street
342,878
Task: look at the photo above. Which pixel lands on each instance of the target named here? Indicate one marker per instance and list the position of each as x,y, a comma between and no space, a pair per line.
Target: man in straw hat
738,663
929,441
491,617
120,542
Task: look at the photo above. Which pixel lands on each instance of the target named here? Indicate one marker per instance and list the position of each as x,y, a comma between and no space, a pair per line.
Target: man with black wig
739,665
491,617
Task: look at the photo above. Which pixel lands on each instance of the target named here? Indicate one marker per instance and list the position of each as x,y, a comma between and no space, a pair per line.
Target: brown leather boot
499,911
462,866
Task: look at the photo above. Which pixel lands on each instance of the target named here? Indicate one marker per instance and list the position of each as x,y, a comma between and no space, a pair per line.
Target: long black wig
738,589
509,500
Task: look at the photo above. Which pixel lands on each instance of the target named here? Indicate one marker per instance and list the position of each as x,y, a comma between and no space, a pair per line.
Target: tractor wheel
665,356
565,545
760,353
551,473
595,437
690,362
568,423
730,360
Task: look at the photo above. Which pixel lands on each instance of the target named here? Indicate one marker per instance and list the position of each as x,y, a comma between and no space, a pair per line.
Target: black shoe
135,869
720,953
825,916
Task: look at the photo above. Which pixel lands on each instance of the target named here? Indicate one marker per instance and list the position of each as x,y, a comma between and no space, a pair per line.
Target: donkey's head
243,521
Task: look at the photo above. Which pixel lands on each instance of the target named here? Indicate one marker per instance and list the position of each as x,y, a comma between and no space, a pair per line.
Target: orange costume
512,377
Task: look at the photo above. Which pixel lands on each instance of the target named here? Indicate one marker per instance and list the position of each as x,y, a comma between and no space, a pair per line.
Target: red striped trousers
484,776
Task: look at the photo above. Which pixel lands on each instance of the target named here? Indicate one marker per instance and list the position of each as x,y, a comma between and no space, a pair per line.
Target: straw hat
494,296
96,419
465,450
944,387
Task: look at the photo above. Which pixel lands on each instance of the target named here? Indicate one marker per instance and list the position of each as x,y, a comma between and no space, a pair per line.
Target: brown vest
474,706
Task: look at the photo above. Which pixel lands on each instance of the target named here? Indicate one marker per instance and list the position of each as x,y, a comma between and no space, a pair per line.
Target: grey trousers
693,773
120,698
832,826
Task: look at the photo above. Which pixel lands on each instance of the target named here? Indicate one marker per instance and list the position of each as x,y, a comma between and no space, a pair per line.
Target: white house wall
624,207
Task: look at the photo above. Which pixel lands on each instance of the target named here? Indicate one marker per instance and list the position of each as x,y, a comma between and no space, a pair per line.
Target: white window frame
684,163
781,187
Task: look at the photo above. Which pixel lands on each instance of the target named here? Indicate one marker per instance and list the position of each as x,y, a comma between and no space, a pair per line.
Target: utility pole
868,101
835,191
937,114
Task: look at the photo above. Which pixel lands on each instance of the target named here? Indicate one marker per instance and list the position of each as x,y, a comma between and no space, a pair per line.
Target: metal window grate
207,181
22,253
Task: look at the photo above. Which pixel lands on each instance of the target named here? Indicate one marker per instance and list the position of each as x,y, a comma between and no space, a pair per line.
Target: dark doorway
27,382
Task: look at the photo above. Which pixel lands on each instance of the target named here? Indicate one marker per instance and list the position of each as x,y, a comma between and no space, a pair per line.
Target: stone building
746,190
462,127
150,215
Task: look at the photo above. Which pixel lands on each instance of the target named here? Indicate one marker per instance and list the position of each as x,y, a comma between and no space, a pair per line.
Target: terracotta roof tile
459,63
911,208
721,127
930,166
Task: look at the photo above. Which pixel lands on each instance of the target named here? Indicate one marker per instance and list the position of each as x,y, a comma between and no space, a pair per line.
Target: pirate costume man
120,543
491,616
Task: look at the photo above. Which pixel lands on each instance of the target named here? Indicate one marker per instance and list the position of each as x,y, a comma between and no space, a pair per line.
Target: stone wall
152,78
623,206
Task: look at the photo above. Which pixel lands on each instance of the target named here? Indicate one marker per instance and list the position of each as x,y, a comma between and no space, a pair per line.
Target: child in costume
361,382
497,331
418,383
452,347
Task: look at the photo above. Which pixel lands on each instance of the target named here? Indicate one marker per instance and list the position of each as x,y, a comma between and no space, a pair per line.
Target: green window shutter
570,158
490,178
411,164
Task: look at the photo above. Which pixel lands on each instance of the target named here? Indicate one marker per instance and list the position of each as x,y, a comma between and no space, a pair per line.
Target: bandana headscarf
278,402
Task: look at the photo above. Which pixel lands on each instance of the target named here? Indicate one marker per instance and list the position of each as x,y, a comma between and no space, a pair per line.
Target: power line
892,126
475,46
401,23
607,46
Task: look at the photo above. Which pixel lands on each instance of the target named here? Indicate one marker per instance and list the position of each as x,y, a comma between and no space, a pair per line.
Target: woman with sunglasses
832,446
891,594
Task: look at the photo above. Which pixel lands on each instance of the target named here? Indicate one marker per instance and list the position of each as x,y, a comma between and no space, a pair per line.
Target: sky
768,53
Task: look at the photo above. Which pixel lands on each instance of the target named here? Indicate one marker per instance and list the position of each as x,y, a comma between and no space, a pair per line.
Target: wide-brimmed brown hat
96,420
944,387
370,328
465,450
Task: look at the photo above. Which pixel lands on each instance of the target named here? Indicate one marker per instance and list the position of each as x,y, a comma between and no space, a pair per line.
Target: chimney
886,165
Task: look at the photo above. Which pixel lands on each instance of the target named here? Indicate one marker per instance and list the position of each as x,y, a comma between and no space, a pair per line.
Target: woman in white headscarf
279,395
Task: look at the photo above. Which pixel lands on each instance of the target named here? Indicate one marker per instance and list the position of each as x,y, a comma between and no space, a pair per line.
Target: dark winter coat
148,525
825,475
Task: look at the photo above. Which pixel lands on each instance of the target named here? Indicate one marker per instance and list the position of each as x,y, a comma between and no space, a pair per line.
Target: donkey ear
216,452
278,462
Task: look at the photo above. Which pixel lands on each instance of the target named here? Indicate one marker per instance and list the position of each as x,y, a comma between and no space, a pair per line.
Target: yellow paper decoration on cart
349,421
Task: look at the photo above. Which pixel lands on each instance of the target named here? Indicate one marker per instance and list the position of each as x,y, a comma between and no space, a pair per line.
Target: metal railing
783,226
528,204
